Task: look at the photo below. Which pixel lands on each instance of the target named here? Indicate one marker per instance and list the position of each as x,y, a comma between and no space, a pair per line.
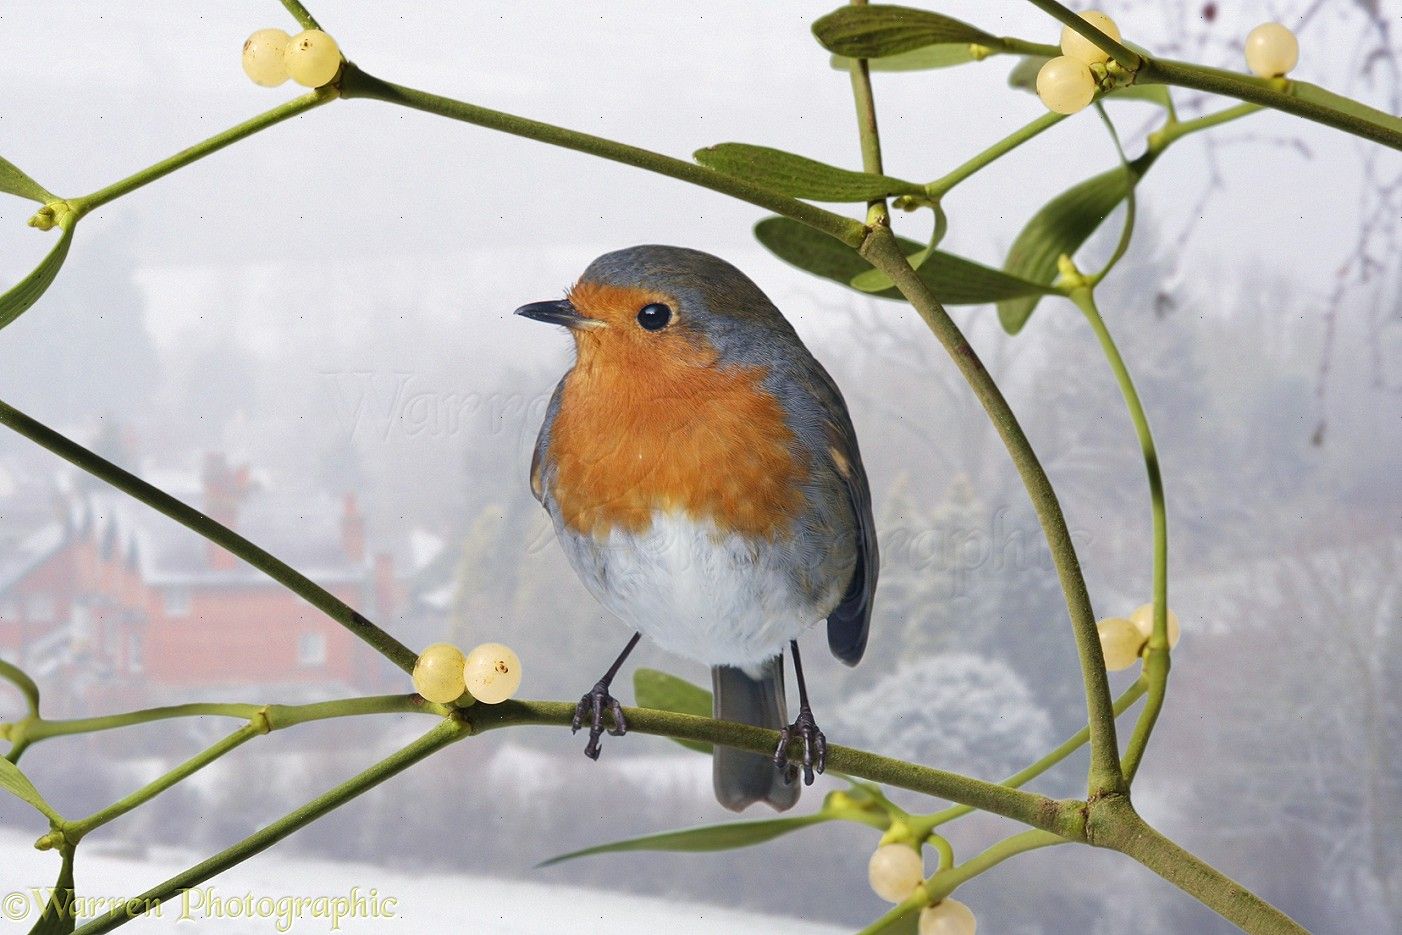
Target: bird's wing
850,622
542,444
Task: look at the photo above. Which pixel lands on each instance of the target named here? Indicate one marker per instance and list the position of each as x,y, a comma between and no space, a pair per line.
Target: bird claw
591,707
815,745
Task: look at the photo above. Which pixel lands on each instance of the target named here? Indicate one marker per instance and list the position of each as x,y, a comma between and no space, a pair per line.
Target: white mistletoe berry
492,673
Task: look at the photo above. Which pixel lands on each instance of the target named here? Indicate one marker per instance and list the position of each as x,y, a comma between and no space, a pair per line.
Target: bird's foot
591,708
815,745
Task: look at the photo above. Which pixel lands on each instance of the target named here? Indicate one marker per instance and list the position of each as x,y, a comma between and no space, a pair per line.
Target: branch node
872,236
1104,818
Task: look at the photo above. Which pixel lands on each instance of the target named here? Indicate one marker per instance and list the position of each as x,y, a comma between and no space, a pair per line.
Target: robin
703,477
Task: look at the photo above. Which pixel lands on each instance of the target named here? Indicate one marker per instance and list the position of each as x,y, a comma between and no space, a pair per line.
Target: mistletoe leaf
799,176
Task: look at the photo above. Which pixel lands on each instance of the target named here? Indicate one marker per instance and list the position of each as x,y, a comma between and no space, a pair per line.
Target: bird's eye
654,316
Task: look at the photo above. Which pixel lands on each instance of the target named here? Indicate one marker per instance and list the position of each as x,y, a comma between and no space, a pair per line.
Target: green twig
942,847
1156,666
262,719
35,729
73,831
1121,53
292,108
300,14
943,883
1291,97
946,880
1114,824
1012,141
1176,129
870,136
1015,46
358,84
1036,810
882,251
1276,93
926,823
1131,202
445,733
389,647
1155,675
21,680
277,716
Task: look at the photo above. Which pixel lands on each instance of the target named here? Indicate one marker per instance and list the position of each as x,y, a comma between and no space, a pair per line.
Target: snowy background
332,298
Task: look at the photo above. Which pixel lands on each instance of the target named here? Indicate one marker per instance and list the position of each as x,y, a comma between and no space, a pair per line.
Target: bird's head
658,307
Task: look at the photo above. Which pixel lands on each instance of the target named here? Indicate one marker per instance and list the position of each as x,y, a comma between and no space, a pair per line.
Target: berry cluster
896,870
1068,83
271,56
491,673
1124,639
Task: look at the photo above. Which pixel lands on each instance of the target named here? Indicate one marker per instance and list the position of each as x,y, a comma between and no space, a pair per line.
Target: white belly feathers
709,596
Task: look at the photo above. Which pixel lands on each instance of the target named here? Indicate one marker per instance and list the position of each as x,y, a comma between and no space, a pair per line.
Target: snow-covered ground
385,900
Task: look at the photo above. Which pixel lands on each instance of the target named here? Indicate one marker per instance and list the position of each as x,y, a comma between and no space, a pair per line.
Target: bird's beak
559,312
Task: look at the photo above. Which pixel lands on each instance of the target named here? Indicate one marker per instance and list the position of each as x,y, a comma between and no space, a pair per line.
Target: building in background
103,595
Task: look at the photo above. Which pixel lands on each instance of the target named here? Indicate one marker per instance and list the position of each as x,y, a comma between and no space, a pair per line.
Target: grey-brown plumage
742,778
695,586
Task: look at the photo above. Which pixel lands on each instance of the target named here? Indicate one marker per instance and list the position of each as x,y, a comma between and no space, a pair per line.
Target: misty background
329,301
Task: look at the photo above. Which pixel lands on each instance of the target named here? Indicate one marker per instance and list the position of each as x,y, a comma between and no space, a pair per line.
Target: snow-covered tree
961,711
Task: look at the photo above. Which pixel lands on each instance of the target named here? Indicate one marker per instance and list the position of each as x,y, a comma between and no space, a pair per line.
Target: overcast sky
300,229
307,244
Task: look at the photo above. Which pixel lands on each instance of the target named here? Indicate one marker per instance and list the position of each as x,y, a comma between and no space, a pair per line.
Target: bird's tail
742,777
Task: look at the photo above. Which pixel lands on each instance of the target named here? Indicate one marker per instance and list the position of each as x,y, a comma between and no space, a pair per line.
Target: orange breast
638,431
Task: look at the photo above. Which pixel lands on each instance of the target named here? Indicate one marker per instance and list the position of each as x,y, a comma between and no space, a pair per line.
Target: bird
702,475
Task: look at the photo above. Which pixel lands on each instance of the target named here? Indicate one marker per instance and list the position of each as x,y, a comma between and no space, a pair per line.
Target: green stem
389,647
300,14
1157,674
21,680
1158,141
262,719
440,736
861,817
1016,46
1359,119
1115,825
168,165
74,831
946,880
1121,53
276,716
37,729
1174,130
358,84
926,823
1291,97
1012,141
1156,666
1131,201
1039,811
280,716
881,250
891,809
870,136
942,846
